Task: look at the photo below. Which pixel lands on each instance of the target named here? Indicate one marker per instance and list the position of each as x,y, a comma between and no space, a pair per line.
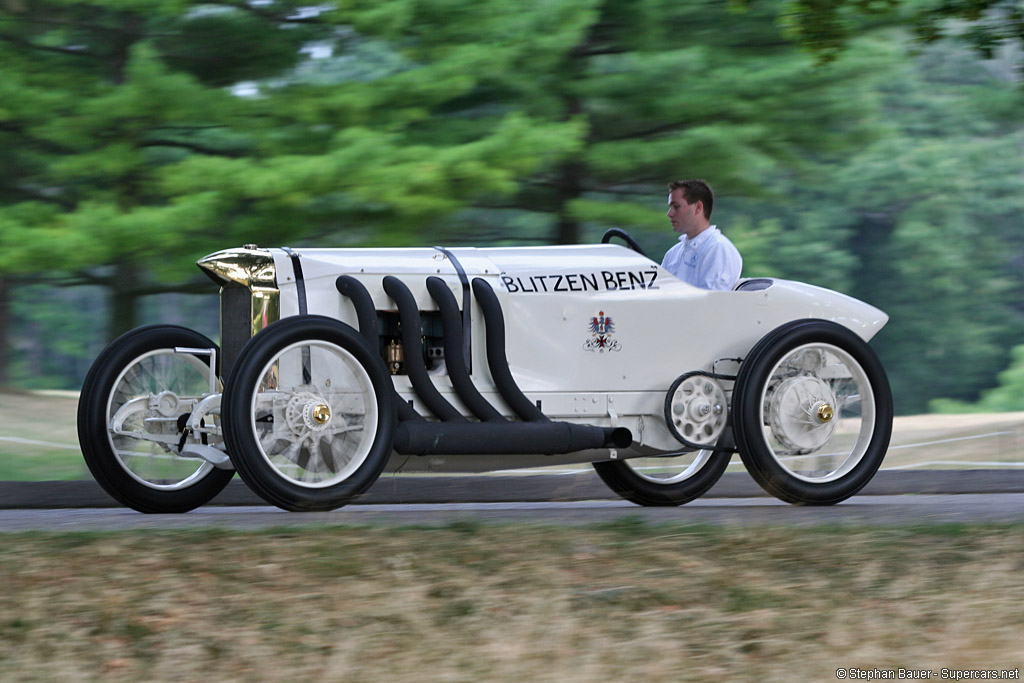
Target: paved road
892,498
859,511
520,488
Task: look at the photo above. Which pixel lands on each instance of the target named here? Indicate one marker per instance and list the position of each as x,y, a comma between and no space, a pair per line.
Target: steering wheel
626,237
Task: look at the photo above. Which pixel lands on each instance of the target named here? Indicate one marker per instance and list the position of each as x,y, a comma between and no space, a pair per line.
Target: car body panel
595,334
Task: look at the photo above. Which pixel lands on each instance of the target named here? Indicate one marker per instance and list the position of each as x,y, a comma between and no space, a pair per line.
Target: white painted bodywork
662,328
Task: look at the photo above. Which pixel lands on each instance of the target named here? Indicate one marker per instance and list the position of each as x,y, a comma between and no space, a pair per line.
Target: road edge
398,489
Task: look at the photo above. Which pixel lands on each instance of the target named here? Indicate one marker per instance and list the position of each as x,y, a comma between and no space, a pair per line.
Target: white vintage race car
339,364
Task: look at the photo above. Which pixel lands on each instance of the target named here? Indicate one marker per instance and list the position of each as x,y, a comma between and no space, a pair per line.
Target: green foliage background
137,136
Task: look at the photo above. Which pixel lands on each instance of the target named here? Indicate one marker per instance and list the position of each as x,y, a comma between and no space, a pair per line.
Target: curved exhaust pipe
412,329
366,314
497,361
453,358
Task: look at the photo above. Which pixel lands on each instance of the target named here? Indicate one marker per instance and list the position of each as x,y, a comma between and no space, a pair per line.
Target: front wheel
812,413
308,414
138,393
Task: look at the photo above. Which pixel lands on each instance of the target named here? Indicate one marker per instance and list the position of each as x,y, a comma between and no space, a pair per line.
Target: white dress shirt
708,261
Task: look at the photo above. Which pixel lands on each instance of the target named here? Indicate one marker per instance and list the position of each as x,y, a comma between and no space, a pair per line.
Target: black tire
108,386
623,479
287,378
808,433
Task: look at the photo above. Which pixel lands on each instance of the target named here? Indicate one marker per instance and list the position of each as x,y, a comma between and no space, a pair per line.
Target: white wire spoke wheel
672,479
148,398
696,412
812,412
818,430
670,469
134,399
319,432
308,413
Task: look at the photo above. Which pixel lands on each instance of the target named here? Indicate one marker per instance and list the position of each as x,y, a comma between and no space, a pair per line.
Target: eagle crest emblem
601,329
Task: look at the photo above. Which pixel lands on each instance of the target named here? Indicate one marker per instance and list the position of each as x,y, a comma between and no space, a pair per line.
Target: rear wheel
133,403
812,413
308,414
664,480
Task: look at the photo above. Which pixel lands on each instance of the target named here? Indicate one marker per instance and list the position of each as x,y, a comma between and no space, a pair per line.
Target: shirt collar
699,239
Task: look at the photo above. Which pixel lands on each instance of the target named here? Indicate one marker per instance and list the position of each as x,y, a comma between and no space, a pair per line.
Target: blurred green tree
1007,396
130,150
661,89
92,111
924,222
137,136
827,27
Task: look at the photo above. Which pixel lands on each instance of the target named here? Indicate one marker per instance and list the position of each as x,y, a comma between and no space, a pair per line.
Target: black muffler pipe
366,314
453,352
510,438
497,361
412,348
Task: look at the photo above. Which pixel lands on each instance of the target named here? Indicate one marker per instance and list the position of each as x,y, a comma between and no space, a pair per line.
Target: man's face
685,217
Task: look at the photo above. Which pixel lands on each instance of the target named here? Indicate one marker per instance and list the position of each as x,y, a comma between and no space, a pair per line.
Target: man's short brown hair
695,190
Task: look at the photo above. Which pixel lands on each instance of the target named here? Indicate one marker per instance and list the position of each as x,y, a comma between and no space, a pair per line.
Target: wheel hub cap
307,412
698,412
801,413
321,414
165,403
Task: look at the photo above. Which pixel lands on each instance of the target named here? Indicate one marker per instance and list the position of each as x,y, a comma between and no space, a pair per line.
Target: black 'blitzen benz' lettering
582,282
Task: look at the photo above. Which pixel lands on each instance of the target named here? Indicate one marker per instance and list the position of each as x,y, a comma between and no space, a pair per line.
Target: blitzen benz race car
336,365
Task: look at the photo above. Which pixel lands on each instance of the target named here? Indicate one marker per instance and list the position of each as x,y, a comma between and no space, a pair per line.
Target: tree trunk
569,183
872,248
570,187
5,331
124,300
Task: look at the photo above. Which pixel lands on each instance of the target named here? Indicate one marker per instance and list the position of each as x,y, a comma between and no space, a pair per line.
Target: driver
703,257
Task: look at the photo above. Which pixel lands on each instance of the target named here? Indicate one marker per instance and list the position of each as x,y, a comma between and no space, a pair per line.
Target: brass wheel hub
801,413
322,413
307,412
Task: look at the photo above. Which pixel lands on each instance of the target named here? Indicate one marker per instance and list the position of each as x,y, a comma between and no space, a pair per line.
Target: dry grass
48,418
982,438
470,603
